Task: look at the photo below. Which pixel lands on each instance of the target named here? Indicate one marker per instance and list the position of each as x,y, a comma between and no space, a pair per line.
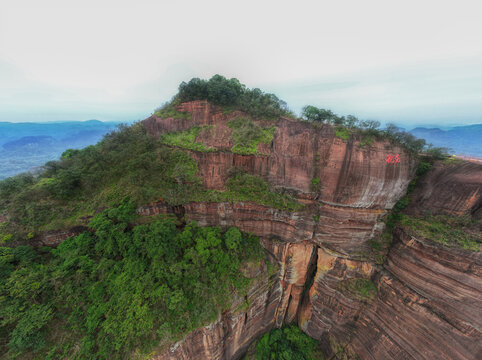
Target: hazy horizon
118,61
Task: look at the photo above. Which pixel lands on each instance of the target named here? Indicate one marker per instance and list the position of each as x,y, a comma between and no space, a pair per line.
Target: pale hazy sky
412,62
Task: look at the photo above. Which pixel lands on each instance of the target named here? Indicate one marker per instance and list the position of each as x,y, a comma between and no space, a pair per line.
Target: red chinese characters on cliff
393,158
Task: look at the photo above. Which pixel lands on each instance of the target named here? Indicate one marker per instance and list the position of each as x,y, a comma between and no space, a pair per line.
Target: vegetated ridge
221,217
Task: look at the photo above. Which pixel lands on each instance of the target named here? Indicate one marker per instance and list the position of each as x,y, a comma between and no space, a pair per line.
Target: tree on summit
230,93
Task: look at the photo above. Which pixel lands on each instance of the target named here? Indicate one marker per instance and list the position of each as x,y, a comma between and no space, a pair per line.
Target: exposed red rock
428,299
349,173
327,310
453,189
428,305
428,302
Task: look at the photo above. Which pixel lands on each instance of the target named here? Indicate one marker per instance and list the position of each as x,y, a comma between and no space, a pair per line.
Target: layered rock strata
428,305
428,299
453,189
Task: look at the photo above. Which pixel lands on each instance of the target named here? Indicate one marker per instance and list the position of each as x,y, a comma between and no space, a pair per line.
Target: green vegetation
342,133
405,139
367,140
247,135
452,160
381,244
367,130
287,343
446,230
186,139
315,183
437,153
231,94
359,288
127,162
341,351
423,167
246,187
118,289
169,110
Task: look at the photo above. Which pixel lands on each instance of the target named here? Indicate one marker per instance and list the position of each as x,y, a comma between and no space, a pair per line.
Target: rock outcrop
428,305
428,300
453,189
349,174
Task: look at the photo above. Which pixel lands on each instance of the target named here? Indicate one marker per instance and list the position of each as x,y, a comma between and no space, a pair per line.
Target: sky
409,62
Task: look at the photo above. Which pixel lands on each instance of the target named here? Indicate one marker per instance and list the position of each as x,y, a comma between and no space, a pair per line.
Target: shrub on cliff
457,232
359,288
367,129
247,135
288,342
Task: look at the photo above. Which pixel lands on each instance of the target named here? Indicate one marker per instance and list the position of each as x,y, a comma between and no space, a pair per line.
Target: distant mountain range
24,146
463,140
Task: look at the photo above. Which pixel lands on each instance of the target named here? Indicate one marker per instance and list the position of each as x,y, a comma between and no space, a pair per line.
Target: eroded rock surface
428,305
349,174
428,301
453,189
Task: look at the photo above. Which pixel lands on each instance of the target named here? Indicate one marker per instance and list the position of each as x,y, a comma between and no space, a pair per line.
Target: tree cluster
118,288
324,116
125,162
230,93
371,128
287,343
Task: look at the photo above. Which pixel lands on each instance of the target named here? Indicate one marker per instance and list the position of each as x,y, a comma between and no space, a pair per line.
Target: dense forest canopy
119,288
127,162
287,343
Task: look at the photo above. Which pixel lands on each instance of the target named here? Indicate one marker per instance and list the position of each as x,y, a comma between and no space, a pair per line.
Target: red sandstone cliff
428,302
428,295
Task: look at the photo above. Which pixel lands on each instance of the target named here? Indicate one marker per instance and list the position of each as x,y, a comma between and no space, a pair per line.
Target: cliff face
427,294
452,189
426,305
349,174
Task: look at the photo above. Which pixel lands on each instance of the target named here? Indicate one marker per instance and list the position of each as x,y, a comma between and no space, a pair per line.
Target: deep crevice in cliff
310,278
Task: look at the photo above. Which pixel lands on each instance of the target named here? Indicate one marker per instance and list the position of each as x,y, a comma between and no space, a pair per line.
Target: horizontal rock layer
349,174
453,189
428,305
